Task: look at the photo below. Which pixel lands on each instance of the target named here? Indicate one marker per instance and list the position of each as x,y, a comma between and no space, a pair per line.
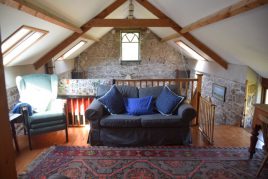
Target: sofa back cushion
102,90
126,91
155,91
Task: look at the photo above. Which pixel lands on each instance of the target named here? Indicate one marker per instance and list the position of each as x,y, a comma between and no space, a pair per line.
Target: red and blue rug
147,163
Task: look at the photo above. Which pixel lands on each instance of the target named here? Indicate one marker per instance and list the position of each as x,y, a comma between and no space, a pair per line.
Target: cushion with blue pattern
168,101
113,101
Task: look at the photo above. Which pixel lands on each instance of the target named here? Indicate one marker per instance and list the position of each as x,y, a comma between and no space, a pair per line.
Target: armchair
40,91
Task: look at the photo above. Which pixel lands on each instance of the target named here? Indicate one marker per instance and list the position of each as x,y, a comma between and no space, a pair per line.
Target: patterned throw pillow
113,101
168,101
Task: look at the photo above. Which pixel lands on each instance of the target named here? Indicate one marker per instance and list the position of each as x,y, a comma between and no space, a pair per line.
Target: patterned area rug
146,163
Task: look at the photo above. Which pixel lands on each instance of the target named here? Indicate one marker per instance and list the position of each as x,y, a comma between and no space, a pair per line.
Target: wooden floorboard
224,136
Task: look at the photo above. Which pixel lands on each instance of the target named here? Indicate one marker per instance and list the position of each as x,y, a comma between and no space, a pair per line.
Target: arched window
130,46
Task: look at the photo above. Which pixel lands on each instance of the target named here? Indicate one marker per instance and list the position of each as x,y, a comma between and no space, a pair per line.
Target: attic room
72,72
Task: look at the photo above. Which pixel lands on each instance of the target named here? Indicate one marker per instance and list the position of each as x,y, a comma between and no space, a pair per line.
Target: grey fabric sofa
127,130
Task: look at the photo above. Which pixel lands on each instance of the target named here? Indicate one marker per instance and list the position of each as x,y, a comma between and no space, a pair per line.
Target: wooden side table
15,118
260,109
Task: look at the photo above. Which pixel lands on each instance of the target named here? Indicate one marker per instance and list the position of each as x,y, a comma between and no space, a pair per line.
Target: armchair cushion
37,90
47,116
113,101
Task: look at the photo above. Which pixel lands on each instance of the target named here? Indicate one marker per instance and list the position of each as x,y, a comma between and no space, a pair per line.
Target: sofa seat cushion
120,120
48,116
162,121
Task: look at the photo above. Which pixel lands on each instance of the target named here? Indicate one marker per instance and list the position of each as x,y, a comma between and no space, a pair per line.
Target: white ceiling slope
241,39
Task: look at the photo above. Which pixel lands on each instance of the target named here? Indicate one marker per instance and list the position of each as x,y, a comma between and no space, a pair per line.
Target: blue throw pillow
139,106
113,101
168,101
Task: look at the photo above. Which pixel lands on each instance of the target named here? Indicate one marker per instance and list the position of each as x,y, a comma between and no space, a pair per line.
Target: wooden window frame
20,40
139,47
61,58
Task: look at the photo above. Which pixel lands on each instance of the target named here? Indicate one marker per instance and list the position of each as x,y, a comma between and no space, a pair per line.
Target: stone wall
231,111
158,59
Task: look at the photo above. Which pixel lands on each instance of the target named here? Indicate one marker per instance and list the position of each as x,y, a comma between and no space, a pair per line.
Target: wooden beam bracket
187,35
48,56
40,13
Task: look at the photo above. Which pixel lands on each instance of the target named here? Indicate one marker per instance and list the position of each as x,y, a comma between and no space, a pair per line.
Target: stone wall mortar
158,59
230,111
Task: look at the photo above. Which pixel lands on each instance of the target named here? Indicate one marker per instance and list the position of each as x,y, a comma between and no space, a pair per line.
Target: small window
19,41
72,50
130,46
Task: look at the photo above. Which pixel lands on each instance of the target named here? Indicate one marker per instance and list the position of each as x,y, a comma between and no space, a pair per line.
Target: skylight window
188,49
20,41
72,50
130,46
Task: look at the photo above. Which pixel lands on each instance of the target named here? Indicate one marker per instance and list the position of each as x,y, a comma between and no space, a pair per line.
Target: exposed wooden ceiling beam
40,13
187,35
235,9
48,56
90,37
170,37
130,23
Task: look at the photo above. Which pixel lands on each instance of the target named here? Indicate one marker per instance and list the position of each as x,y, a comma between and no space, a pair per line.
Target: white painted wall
63,66
12,72
234,72
253,77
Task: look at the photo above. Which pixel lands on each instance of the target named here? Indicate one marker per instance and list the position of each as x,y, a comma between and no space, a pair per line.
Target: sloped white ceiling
241,39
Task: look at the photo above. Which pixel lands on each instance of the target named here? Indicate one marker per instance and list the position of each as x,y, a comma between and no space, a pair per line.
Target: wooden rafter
90,37
170,37
40,13
48,56
130,23
235,9
187,35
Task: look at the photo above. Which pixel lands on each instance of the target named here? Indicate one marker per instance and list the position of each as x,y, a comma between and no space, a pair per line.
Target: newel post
198,92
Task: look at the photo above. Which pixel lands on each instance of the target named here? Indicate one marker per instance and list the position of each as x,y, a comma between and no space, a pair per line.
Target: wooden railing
75,110
188,87
206,119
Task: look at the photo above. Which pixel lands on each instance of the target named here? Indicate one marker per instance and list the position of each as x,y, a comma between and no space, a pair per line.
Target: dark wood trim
38,12
130,23
7,157
170,37
235,9
264,84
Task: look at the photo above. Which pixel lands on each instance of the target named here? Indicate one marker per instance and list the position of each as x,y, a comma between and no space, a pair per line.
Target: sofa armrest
94,111
186,112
